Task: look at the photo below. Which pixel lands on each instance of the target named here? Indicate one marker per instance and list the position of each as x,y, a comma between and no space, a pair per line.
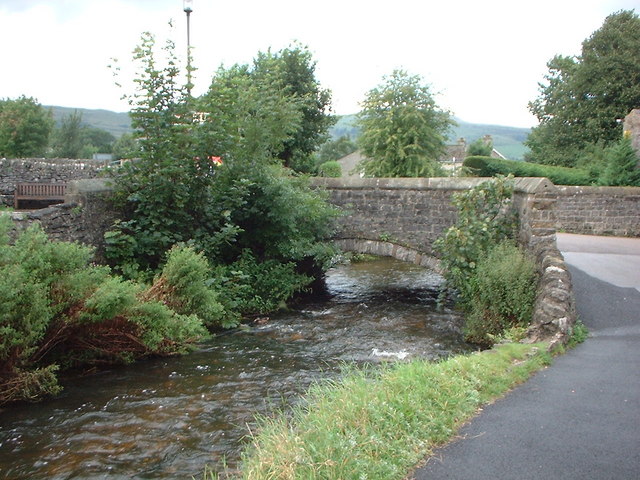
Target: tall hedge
490,167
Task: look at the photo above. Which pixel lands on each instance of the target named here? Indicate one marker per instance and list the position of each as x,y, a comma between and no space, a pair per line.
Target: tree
247,116
336,149
207,176
25,127
68,137
584,96
293,71
622,165
126,147
481,147
403,130
100,139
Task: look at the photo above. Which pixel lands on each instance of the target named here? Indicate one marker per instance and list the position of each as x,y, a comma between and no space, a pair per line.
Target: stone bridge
401,217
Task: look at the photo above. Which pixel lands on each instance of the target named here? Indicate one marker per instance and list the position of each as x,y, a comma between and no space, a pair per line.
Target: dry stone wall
44,171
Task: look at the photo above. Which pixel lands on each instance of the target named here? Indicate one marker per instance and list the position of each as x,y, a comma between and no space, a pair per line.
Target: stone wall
554,312
599,210
401,217
411,212
84,217
43,170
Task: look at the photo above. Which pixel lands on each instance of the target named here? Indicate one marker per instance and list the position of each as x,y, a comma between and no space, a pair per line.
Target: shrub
184,286
58,310
502,295
490,167
622,165
484,219
330,169
249,286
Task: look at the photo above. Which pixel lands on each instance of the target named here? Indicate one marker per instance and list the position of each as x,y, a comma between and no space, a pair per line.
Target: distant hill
507,140
116,123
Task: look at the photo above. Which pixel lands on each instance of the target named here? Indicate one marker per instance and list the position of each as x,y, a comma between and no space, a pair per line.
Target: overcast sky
484,59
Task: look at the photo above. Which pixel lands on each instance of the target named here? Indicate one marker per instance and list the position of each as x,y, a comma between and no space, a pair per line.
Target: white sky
483,58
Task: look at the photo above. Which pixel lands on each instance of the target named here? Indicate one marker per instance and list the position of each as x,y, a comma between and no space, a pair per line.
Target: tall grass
379,424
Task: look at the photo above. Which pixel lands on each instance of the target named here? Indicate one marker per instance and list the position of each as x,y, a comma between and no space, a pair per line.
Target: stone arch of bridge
388,249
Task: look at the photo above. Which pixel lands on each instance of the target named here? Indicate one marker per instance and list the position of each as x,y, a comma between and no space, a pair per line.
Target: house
349,164
456,153
451,160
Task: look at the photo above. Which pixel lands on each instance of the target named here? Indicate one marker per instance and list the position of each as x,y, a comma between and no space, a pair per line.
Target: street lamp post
187,6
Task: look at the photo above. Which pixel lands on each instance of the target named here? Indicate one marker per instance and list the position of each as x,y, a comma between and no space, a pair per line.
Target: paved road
579,418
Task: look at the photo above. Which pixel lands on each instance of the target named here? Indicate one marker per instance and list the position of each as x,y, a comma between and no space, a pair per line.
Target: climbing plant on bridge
494,280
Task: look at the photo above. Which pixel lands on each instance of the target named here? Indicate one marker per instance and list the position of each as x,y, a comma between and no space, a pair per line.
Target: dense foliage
336,149
73,139
480,147
24,128
583,97
330,169
214,180
59,310
621,165
403,129
503,292
495,281
293,72
490,167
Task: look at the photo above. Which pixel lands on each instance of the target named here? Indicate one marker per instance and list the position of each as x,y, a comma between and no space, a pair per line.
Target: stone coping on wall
64,162
521,184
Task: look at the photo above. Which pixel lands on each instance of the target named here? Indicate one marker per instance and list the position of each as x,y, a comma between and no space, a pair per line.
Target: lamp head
187,6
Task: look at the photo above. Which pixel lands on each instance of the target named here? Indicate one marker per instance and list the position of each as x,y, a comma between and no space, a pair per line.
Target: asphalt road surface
579,418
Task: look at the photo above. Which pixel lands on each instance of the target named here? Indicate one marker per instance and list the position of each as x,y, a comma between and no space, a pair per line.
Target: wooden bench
43,192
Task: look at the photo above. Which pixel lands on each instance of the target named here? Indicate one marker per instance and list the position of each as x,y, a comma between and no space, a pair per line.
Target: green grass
380,423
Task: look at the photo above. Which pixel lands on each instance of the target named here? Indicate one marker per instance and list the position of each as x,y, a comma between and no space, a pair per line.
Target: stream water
167,418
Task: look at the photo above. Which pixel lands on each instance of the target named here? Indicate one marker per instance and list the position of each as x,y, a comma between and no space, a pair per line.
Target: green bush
59,311
330,169
502,295
484,219
622,165
490,167
185,286
248,286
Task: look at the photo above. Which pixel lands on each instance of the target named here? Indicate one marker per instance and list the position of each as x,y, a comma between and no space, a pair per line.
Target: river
167,418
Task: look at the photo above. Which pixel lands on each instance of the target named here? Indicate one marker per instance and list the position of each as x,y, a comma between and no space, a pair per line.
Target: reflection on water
168,418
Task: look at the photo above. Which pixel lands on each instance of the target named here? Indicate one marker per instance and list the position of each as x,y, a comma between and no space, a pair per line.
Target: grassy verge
381,423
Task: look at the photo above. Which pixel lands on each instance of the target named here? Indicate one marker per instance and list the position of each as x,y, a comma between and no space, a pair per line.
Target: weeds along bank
381,423
256,273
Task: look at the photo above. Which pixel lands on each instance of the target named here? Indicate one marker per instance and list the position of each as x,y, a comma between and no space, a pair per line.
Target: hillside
116,123
507,140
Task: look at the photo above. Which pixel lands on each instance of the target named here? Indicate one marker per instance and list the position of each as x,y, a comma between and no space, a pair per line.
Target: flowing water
167,418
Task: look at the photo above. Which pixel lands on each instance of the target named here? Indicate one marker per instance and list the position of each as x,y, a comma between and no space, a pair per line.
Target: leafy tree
208,176
403,129
584,96
330,169
246,116
68,141
100,139
25,127
336,149
293,70
480,148
126,147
